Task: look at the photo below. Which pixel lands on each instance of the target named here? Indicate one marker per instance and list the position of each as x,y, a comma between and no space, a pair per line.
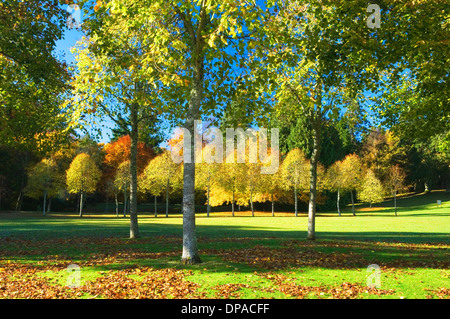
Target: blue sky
71,36
63,46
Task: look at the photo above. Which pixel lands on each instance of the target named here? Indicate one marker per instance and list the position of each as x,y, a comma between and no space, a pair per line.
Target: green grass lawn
243,257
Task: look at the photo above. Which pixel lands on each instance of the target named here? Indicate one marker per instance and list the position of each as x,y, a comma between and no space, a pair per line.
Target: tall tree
314,50
371,189
230,186
197,48
122,182
335,176
111,83
82,177
159,177
44,181
352,173
294,171
253,178
380,150
206,175
396,182
272,188
110,188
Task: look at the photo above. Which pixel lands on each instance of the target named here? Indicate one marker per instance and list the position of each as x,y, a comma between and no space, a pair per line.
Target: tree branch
297,97
187,23
120,122
202,23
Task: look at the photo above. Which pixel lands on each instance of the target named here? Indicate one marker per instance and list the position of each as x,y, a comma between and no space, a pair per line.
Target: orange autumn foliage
119,151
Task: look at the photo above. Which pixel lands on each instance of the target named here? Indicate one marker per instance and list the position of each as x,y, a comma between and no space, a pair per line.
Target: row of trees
223,183
82,166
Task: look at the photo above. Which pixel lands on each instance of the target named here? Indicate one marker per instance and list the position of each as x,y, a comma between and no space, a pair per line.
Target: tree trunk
24,158
117,205
447,185
251,203
232,205
81,203
167,199
313,180
49,205
295,200
208,207
45,203
128,205
156,208
134,228
395,202
125,201
353,203
273,205
190,250
107,204
78,204
19,199
337,201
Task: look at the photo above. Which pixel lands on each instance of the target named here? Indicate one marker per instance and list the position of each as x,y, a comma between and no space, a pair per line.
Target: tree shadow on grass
42,229
244,248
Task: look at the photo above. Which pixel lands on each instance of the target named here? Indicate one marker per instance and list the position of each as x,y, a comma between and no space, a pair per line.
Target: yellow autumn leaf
211,41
